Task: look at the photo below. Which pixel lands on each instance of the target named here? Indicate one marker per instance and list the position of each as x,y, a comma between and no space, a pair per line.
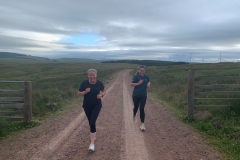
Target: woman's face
141,71
92,76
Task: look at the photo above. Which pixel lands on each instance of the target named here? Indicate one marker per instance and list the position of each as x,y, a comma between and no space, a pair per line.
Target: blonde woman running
92,90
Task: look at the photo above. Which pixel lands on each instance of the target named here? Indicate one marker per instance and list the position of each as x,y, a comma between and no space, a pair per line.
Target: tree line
146,62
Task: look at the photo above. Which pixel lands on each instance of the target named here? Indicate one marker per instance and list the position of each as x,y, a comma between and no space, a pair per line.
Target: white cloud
150,29
124,24
34,35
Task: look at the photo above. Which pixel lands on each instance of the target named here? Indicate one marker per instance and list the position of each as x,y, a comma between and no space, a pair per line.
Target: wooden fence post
191,79
28,101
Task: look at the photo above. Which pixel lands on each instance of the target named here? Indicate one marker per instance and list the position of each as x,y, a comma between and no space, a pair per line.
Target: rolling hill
8,57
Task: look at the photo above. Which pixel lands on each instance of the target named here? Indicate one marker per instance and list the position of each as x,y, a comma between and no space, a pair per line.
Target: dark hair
139,68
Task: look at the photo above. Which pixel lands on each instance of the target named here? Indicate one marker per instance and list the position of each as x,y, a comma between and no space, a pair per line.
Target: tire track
60,141
46,151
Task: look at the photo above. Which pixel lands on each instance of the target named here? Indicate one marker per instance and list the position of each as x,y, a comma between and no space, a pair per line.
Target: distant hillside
10,55
75,60
7,57
146,62
17,55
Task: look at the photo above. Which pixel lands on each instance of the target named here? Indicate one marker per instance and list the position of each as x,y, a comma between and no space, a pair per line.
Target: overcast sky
176,30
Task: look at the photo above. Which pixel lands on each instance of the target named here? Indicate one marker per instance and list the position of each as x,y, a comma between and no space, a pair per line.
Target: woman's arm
148,85
103,92
136,84
82,93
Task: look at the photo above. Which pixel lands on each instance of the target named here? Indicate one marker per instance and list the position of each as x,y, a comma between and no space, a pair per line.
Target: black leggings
139,101
92,113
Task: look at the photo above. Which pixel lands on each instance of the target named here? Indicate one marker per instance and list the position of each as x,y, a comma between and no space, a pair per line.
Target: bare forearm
134,84
148,85
103,92
81,93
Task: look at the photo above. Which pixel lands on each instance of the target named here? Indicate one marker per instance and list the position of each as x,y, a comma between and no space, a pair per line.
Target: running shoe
91,147
134,118
142,127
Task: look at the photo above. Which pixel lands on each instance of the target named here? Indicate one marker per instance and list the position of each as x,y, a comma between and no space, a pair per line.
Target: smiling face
92,75
141,71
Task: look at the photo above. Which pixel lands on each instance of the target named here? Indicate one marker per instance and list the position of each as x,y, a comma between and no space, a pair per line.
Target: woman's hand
136,84
99,96
82,93
140,82
148,85
87,90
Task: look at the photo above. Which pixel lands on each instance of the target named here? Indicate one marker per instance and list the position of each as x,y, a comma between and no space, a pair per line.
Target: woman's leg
88,112
136,104
92,137
94,115
142,106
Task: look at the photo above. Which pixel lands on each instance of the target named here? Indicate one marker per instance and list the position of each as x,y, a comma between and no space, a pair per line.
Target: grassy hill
146,62
7,57
20,56
10,55
76,60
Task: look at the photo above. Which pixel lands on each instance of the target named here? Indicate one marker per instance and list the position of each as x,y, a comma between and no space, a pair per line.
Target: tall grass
56,83
169,84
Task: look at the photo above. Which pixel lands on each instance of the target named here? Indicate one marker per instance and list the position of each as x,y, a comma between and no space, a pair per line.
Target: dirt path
118,138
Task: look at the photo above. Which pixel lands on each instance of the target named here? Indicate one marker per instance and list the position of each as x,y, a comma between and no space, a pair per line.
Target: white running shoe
142,127
91,147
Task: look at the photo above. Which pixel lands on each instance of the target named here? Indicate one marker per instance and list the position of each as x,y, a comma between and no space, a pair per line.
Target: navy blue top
140,90
90,99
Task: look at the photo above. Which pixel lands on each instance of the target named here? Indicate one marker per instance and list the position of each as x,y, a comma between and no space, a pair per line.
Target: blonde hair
139,68
92,69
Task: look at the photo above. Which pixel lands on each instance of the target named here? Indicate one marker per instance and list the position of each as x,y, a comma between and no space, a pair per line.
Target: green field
169,85
52,83
55,82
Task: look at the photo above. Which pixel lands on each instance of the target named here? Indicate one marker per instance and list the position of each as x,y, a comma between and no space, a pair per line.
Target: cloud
124,29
